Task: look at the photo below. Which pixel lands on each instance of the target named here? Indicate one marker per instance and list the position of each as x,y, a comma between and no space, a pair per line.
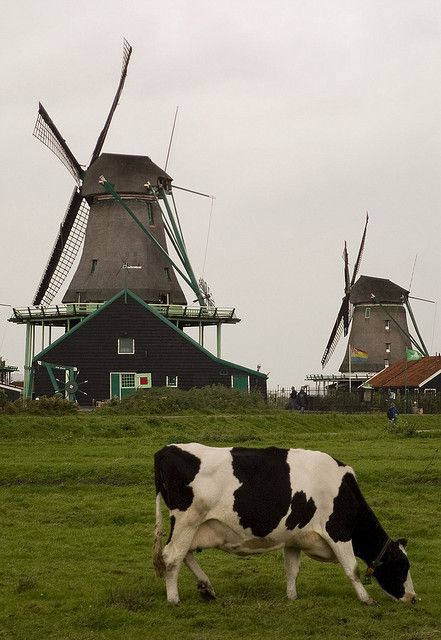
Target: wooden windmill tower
375,311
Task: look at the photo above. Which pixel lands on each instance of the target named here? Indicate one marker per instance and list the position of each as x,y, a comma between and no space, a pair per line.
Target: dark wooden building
125,345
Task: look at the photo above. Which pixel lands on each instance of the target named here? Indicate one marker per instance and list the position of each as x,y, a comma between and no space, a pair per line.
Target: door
240,381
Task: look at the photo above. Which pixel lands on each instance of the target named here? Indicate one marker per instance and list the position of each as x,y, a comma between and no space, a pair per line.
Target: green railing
85,308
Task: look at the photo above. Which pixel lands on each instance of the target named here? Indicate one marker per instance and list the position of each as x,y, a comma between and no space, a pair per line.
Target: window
126,345
430,391
167,273
386,363
171,381
127,380
150,216
387,347
387,325
93,267
367,312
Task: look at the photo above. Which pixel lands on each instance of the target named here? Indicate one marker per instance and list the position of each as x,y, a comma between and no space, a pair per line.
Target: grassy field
77,513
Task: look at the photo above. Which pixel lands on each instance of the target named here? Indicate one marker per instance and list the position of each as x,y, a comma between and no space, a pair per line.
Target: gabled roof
407,374
130,294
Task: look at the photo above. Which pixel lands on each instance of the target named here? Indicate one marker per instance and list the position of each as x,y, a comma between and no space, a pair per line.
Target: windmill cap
384,291
128,174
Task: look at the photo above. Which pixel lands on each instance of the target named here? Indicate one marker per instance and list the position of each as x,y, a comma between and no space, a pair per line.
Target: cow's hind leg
204,585
345,555
291,558
174,553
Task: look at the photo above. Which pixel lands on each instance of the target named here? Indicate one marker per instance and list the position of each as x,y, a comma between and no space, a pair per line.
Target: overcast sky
299,116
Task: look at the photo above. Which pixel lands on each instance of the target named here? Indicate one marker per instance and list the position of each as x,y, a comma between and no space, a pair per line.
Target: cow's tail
158,558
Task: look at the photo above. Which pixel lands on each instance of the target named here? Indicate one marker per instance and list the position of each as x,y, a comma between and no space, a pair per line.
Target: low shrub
169,401
52,405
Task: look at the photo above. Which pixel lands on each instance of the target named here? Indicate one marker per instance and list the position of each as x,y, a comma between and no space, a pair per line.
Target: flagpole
350,370
405,387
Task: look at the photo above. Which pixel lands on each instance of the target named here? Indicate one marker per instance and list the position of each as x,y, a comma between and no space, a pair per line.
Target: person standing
293,399
302,400
392,413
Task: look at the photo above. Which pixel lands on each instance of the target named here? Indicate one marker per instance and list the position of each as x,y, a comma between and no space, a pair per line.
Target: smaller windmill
375,311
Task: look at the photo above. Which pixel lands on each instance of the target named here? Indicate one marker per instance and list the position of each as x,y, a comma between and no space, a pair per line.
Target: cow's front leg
345,555
291,558
204,585
174,553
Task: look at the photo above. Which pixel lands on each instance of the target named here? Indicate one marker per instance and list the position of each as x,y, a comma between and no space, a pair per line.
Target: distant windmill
109,234
375,310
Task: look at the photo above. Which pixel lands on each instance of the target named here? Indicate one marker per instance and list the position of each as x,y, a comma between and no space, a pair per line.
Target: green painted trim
121,294
184,257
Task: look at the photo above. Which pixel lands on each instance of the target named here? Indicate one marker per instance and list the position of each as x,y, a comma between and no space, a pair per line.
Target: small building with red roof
423,375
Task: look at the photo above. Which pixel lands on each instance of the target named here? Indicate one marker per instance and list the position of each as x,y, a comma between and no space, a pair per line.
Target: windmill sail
335,335
127,52
360,252
65,250
48,134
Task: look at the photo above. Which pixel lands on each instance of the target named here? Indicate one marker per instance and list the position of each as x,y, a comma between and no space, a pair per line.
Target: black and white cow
254,500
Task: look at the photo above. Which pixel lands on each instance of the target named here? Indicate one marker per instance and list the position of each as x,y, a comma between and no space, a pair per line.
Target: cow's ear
402,541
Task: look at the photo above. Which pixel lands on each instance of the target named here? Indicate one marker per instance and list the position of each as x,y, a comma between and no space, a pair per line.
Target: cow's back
260,487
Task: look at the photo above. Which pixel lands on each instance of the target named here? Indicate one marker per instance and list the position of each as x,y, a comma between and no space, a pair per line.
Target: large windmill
113,244
375,311
124,311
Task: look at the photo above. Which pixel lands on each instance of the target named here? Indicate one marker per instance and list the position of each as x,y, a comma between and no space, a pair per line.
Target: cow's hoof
206,591
371,601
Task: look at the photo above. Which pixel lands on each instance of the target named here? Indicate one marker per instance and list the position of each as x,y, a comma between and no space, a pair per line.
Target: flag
358,356
413,354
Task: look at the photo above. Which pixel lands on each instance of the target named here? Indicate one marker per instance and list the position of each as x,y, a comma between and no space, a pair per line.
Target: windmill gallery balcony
67,315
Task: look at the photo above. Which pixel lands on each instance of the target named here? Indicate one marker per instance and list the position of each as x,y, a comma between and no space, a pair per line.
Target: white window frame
388,344
126,353
367,313
167,382
127,373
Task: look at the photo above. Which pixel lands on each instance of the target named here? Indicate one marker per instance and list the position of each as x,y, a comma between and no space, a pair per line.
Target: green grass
76,521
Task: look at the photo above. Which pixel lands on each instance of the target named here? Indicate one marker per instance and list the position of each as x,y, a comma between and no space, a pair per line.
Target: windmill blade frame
67,244
127,52
347,276
335,333
48,134
360,252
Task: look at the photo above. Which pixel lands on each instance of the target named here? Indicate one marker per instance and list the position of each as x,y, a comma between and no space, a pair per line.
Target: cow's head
393,572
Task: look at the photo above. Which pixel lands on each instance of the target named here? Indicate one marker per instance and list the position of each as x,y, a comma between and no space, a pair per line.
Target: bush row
168,401
157,401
